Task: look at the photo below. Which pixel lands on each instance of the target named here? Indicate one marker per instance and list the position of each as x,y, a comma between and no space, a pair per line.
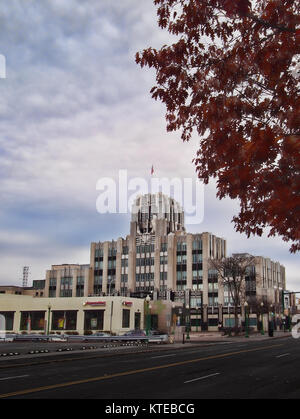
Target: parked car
136,332
158,336
101,334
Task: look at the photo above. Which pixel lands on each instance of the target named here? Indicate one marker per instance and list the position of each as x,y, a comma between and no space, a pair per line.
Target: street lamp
246,320
262,318
147,299
173,319
48,322
197,318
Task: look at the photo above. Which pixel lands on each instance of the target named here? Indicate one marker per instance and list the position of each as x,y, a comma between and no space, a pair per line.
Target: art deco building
160,258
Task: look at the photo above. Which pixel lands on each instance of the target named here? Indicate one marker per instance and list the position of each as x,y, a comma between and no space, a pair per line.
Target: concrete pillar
118,264
157,262
74,273
171,279
132,257
47,284
58,280
189,261
105,266
90,287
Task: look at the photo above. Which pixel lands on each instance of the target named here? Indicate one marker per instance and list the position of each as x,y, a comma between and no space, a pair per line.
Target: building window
32,320
124,277
213,322
8,318
66,287
98,253
197,244
213,301
52,287
38,284
64,320
137,320
124,262
80,286
164,247
126,318
98,284
93,319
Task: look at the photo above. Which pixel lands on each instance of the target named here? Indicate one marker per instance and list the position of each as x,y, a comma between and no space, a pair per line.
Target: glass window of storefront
93,319
64,320
126,318
8,320
32,320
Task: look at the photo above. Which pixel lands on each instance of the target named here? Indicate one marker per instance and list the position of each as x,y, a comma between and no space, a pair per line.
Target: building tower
25,276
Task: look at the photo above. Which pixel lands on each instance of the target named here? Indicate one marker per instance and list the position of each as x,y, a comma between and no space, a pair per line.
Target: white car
57,338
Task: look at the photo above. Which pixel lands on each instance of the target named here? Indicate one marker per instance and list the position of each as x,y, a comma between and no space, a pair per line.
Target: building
68,281
16,290
161,259
26,314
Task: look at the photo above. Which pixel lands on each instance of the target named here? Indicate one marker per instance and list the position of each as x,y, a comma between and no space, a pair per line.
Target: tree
232,273
233,76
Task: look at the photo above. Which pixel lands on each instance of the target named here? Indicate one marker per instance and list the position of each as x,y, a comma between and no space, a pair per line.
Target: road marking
163,356
11,378
202,378
125,373
279,356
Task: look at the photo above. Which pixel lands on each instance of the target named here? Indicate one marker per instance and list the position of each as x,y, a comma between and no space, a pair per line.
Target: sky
76,108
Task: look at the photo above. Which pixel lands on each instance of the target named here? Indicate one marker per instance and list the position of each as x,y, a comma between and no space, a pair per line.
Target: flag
152,170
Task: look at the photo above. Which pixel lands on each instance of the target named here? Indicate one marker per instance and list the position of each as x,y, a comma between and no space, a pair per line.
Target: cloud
75,107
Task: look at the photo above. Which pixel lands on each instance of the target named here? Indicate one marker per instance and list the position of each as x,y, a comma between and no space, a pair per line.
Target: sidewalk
202,337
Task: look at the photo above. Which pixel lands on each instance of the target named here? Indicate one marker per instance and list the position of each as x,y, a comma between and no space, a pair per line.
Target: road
251,369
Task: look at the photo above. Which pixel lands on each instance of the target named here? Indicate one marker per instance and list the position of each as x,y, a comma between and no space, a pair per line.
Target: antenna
25,276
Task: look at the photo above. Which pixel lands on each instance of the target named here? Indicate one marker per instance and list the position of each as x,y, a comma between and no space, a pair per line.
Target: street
248,369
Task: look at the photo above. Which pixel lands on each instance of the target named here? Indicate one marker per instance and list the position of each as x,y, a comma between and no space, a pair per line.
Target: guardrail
85,338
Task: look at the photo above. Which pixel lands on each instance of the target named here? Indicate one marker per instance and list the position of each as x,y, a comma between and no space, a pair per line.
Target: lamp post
173,319
147,299
48,321
262,318
246,319
197,318
271,317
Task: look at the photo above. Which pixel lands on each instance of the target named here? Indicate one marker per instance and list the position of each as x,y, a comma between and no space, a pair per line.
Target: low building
23,314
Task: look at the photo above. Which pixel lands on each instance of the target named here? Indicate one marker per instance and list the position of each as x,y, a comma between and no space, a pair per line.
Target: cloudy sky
74,108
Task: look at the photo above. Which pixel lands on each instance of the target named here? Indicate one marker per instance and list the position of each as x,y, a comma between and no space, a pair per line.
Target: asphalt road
257,369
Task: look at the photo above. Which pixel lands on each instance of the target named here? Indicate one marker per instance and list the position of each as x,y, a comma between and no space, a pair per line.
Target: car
101,334
136,332
158,336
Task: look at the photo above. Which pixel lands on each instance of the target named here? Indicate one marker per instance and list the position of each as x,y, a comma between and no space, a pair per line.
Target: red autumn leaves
231,77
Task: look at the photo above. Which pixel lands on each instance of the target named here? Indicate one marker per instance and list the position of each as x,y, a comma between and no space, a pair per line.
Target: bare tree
232,273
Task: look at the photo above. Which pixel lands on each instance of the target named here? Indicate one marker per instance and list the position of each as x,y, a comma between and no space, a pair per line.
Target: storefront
75,315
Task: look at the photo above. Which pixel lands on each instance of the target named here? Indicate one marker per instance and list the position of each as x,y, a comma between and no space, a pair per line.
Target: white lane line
279,356
202,378
11,378
162,356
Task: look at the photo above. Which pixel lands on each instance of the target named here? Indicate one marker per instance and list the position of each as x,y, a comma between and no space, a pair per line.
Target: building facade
26,314
161,259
